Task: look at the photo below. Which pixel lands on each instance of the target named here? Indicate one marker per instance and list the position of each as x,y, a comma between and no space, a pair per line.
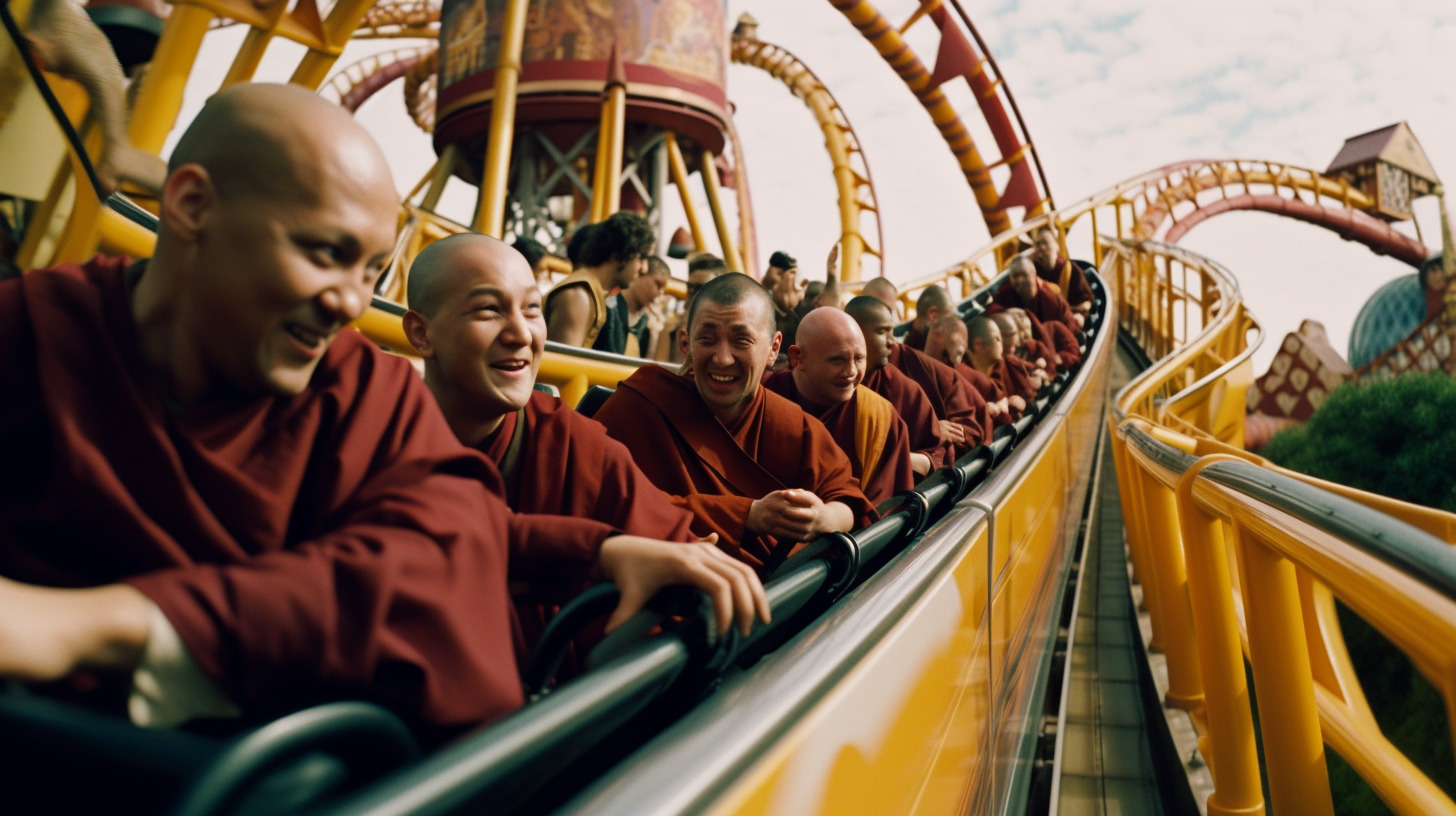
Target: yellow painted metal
856,190
491,213
607,173
720,218
679,171
160,96
439,176
333,35
385,329
121,236
249,56
1232,756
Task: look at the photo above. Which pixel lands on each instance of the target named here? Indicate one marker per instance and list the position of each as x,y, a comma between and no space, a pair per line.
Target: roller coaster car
352,757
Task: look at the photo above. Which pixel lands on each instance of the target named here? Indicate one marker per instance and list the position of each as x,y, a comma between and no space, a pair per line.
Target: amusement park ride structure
924,644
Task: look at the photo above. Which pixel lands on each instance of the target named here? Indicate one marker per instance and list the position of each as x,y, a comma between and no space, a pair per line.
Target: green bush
1396,438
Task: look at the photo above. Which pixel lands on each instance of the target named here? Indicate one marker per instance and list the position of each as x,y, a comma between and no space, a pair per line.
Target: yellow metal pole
314,68
160,98
1229,743
249,55
607,175
1184,684
491,213
679,170
1294,752
444,168
720,220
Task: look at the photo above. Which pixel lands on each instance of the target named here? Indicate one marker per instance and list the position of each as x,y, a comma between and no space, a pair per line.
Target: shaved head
946,339
826,325
981,327
828,356
475,316
881,289
733,289
1007,324
277,218
278,140
452,264
934,297
864,306
877,323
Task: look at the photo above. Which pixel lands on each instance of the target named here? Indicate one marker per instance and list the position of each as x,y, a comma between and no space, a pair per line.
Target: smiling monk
826,364
750,465
211,486
476,318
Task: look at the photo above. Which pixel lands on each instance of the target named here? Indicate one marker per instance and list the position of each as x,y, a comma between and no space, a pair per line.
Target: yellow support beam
679,170
720,218
491,213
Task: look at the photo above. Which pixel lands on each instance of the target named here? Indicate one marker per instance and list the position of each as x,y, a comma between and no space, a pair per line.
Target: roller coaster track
1190,192
851,169
360,80
957,58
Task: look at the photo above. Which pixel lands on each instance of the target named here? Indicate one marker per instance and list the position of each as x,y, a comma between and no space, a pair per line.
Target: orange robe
717,472
335,544
951,398
913,406
891,473
1069,278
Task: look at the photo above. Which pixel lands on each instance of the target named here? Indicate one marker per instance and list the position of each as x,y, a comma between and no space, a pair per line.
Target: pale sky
1108,88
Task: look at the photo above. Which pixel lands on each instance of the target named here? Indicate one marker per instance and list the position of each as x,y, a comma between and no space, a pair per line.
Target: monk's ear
417,329
796,356
683,344
778,340
188,198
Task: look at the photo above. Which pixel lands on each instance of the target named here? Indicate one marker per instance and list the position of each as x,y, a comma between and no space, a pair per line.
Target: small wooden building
1388,165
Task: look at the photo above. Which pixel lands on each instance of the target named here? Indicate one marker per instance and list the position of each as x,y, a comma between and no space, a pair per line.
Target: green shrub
1396,438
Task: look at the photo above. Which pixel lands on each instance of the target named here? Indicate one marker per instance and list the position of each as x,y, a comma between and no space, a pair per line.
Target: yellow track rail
851,170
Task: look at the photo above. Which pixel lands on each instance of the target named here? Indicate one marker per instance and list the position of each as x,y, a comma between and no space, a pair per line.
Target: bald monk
1025,350
1050,266
750,465
985,355
933,304
948,342
1024,289
1018,375
883,290
614,253
826,365
959,409
276,513
475,317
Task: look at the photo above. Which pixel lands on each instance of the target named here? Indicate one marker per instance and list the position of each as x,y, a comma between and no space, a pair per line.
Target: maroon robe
717,472
1044,306
951,398
1077,290
913,405
1013,374
1064,340
557,462
915,338
893,473
989,391
338,543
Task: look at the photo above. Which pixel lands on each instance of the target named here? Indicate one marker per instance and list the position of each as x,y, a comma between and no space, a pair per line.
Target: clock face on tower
1394,190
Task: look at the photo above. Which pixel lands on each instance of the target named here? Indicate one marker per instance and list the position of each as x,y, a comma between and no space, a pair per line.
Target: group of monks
218,501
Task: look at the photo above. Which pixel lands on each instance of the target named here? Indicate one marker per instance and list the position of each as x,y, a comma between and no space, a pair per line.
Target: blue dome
1388,317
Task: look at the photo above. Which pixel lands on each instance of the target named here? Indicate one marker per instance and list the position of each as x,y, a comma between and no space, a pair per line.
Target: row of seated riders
218,502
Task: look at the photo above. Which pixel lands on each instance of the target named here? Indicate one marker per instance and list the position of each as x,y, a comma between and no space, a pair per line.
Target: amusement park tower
566,112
